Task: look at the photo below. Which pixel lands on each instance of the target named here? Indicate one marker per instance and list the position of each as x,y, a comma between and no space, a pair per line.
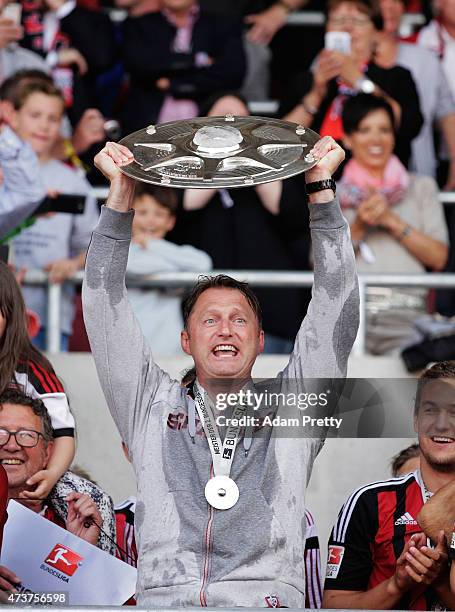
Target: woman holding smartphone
13,57
348,68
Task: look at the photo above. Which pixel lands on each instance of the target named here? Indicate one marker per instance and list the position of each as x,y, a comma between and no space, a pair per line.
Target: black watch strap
452,547
321,185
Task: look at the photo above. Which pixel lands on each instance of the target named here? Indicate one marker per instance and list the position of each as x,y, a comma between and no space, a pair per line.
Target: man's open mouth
442,439
225,350
11,461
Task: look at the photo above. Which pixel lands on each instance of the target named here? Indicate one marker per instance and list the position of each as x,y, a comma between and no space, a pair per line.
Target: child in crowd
57,242
21,189
159,311
21,364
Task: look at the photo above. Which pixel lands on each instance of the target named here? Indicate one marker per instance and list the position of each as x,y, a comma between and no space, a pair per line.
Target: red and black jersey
42,379
126,541
40,382
51,515
370,534
33,23
313,575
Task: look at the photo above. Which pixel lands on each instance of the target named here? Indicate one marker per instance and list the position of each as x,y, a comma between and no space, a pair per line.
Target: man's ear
261,341
171,224
416,423
8,114
185,341
49,451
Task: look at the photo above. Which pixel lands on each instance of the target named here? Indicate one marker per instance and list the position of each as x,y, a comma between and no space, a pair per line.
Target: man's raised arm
328,331
123,359
439,513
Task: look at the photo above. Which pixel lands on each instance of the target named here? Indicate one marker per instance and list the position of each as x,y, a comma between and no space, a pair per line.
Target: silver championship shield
219,152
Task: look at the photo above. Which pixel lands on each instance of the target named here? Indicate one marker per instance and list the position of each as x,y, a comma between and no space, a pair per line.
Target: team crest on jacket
272,601
334,559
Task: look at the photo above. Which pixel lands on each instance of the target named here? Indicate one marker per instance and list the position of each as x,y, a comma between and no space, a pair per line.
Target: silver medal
221,492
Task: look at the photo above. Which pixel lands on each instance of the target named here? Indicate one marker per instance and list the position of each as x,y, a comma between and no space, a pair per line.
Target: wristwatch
320,186
364,85
452,547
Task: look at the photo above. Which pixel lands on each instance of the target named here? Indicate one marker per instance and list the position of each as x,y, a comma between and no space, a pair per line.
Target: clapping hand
373,210
424,564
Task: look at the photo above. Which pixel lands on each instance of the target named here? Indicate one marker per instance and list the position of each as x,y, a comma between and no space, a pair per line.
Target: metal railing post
270,107
359,344
54,295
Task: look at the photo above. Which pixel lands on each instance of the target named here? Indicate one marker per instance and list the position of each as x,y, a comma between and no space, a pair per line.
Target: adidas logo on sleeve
406,519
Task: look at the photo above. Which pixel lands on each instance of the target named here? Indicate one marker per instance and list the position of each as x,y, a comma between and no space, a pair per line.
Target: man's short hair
356,108
365,6
17,398
165,196
24,89
10,85
216,282
410,452
443,369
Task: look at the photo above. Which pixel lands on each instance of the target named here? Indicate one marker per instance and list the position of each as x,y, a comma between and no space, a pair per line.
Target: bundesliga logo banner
50,559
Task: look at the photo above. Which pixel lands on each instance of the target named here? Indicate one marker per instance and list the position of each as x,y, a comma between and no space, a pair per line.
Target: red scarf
357,183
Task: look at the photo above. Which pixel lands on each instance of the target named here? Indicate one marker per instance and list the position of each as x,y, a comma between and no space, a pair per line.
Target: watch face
367,86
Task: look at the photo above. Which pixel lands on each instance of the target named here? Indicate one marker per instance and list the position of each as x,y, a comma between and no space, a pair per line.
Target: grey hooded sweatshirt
189,553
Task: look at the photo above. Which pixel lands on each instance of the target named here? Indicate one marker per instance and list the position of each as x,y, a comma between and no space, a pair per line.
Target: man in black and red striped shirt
378,556
439,514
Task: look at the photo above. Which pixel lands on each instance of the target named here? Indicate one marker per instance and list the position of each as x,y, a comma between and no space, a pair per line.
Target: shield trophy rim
308,138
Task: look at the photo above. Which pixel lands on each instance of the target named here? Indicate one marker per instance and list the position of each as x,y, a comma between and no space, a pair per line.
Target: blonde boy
159,311
57,242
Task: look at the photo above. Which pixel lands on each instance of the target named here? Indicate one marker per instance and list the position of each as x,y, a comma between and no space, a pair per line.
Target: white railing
101,193
254,278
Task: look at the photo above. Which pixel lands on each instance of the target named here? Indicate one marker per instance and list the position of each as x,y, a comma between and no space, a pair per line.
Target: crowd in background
74,74
37,432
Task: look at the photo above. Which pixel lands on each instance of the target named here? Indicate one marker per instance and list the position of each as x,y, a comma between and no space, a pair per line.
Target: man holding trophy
216,526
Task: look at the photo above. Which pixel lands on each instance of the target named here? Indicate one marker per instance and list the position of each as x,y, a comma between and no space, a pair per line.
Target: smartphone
13,11
4,253
338,41
63,203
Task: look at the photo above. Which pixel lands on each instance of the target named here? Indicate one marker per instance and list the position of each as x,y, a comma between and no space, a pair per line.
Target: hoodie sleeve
21,189
129,377
328,331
